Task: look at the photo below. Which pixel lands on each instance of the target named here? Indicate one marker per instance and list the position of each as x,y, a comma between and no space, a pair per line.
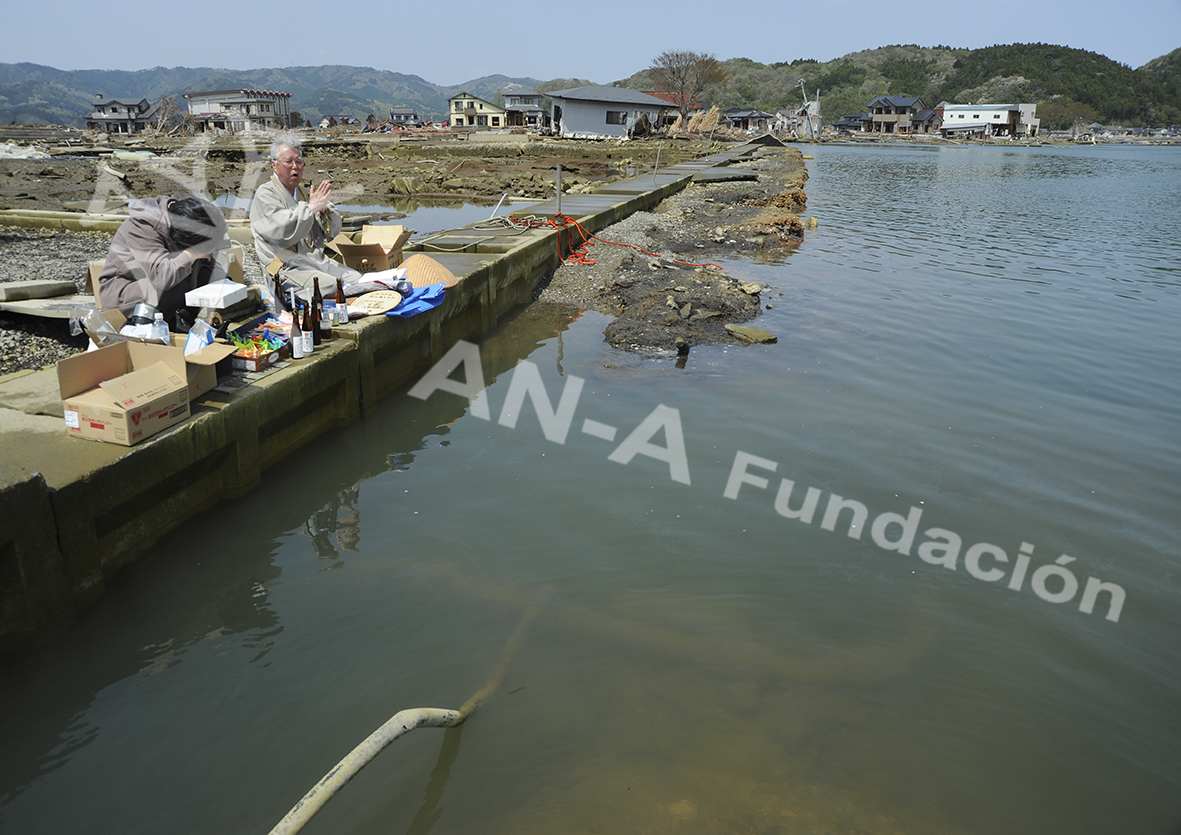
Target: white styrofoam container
218,295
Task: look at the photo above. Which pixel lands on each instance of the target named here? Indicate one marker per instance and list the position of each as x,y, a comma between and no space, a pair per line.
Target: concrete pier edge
73,512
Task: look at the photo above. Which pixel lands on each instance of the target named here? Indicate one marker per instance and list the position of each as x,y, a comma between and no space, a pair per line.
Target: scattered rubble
675,298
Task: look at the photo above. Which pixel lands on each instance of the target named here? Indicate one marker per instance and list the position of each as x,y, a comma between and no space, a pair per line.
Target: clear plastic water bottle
159,328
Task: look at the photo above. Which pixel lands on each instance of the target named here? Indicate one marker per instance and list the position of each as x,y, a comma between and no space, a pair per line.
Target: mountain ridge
1070,85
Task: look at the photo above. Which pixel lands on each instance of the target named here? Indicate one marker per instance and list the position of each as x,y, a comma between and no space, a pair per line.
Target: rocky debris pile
667,308
670,301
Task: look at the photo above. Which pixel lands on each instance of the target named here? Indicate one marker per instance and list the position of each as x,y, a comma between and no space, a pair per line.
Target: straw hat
422,271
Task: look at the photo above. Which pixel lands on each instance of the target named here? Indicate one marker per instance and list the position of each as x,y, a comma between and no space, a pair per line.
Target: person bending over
166,247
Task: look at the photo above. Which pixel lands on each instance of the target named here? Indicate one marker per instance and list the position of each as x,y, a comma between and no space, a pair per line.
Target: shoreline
686,230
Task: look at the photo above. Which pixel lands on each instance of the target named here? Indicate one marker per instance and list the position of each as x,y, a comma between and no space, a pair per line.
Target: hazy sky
451,41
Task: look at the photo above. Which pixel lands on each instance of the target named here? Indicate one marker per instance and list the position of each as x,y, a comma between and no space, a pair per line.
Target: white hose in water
399,724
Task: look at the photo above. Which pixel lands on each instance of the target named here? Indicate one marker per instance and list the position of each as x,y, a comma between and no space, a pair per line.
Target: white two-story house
468,111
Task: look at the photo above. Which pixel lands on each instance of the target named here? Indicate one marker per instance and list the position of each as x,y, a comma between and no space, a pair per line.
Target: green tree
686,74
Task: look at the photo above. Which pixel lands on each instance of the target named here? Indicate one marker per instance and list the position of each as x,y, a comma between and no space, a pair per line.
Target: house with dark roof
404,116
851,123
522,106
597,112
900,114
748,120
343,120
120,115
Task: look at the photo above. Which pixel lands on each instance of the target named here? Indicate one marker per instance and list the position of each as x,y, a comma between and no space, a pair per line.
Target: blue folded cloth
420,300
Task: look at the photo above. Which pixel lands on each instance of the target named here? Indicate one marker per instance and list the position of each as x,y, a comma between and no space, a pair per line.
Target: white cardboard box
218,295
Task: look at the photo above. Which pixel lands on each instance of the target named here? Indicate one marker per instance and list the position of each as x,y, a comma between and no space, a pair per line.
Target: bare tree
687,74
169,115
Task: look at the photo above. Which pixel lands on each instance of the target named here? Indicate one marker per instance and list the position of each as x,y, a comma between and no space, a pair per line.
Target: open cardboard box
380,248
123,393
200,366
234,256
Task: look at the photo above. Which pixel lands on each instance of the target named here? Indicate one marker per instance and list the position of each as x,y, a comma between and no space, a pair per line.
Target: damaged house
120,115
240,111
597,112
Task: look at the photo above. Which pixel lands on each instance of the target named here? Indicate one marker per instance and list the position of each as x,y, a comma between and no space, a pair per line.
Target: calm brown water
982,342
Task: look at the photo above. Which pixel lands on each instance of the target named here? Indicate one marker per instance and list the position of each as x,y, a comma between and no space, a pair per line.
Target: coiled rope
578,253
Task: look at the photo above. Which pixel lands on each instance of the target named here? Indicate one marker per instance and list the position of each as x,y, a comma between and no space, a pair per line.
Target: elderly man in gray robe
291,225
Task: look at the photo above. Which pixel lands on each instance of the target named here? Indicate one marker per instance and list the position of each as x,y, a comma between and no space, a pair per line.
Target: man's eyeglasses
294,162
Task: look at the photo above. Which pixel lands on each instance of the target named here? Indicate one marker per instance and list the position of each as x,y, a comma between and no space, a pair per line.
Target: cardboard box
235,256
380,248
199,366
124,393
234,269
261,362
93,270
219,295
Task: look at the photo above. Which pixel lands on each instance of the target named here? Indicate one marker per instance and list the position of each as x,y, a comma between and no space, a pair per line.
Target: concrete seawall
73,513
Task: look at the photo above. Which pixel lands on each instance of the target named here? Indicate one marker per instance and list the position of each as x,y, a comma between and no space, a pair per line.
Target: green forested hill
1067,84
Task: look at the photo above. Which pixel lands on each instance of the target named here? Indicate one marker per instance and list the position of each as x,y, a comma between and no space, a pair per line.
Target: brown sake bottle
308,331
342,310
314,313
323,323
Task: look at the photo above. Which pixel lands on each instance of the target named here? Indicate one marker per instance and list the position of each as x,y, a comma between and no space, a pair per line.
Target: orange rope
579,255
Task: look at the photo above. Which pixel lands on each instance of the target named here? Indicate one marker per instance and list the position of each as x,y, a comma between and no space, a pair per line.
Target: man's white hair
285,140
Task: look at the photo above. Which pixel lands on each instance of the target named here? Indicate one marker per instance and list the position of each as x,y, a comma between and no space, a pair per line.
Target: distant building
404,116
900,114
240,111
748,120
471,111
851,123
1011,120
786,121
675,100
596,112
120,115
522,106
341,119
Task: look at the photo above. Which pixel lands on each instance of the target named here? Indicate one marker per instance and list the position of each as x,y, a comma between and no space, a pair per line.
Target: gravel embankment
30,342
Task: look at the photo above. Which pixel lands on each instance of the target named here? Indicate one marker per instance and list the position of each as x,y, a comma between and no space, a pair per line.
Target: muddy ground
664,299
370,170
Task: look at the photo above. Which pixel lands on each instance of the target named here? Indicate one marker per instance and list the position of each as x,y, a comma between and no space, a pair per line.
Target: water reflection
702,664
337,521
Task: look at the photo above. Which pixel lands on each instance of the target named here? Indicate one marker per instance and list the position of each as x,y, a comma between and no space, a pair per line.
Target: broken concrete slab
59,307
14,291
723,175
